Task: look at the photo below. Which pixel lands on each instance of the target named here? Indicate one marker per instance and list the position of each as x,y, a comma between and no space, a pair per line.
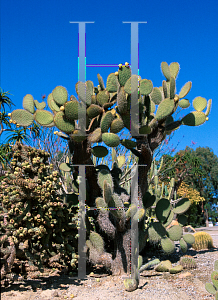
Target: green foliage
37,224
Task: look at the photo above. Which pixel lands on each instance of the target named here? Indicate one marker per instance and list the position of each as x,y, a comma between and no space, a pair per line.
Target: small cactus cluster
203,240
188,262
212,288
36,224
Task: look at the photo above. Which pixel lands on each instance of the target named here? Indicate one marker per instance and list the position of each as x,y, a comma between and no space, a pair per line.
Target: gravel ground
187,285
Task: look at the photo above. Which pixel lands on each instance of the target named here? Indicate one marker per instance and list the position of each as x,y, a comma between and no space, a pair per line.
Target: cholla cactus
35,223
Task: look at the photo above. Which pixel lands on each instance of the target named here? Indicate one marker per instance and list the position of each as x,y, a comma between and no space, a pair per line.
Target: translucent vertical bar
134,223
134,83
82,75
82,227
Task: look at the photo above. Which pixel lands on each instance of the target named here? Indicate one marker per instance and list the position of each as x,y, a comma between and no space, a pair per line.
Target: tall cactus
107,111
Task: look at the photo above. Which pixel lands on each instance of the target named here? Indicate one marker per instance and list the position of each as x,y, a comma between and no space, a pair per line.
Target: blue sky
39,49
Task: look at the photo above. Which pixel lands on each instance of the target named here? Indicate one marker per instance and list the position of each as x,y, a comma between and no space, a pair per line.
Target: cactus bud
116,73
9,114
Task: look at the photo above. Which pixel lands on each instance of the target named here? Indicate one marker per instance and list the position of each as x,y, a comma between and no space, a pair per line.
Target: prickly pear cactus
212,288
36,224
98,114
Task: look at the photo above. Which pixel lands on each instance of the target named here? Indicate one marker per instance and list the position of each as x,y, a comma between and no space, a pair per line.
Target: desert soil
187,285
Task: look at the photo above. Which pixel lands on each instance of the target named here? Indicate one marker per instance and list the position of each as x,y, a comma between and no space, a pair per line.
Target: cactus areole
95,107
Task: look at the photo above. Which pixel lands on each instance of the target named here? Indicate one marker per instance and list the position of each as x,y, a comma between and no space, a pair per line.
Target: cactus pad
28,103
162,209
97,242
174,69
185,89
208,107
182,206
104,174
106,121
175,232
164,266
22,117
101,204
95,136
156,232
182,220
210,288
199,103
71,110
78,136
172,87
148,200
52,104
146,87
103,97
121,100
167,245
124,73
183,245
156,96
100,81
112,83
164,109
189,238
62,124
131,211
145,129
214,278
60,95
128,143
184,103
166,70
139,215
99,151
117,125
117,206
176,269
94,110
38,105
43,117
110,139
107,192
131,85
169,219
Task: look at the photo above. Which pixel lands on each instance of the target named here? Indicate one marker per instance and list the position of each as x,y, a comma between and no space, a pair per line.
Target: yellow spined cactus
203,240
